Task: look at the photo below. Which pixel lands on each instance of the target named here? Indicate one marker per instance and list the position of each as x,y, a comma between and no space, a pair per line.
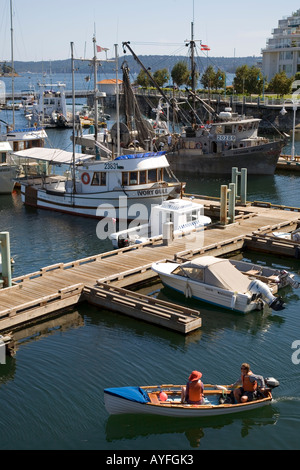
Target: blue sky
44,29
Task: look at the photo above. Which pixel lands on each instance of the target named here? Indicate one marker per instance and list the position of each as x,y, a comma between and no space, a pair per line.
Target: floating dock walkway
104,279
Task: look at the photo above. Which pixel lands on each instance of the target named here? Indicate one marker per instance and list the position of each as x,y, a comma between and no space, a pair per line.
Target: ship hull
259,160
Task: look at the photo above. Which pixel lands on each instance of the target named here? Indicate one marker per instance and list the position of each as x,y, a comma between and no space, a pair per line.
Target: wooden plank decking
62,285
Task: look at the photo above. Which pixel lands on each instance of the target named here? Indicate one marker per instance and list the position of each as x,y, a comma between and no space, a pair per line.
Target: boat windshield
194,273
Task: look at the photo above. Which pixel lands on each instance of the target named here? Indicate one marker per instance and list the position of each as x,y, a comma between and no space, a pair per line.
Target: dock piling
227,204
235,173
6,261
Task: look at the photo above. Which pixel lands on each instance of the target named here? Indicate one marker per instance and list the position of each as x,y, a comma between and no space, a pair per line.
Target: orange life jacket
247,385
194,392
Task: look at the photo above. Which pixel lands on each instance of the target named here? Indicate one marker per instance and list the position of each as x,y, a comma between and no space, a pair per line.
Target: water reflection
120,427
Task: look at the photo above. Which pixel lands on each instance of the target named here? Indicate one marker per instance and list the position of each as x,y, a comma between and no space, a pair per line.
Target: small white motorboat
217,281
185,215
165,400
294,236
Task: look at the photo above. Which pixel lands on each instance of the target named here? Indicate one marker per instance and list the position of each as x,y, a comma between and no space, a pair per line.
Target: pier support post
168,233
223,205
6,262
231,205
243,186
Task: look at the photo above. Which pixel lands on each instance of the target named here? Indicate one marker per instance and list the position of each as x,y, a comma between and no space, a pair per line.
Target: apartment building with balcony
282,51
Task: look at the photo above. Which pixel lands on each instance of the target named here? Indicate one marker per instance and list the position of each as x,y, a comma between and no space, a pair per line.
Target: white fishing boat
8,170
50,109
218,282
99,186
186,217
165,400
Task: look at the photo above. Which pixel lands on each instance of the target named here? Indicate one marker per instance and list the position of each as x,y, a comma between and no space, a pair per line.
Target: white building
282,52
109,86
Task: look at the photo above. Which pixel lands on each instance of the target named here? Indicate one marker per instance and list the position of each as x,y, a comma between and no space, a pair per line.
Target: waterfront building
282,51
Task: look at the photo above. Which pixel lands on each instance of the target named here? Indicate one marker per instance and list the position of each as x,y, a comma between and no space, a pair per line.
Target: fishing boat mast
73,112
95,89
12,62
117,102
193,68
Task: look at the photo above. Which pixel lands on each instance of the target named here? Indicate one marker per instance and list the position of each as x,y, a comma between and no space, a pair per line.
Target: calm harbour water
51,391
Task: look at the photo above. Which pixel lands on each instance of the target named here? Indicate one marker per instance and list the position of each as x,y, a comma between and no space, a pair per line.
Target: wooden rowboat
147,400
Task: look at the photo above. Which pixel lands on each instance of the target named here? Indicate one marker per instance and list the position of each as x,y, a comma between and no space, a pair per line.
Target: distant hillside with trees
154,62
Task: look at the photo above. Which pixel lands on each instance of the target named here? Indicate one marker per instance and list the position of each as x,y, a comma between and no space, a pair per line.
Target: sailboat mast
117,101
95,90
73,112
12,62
193,70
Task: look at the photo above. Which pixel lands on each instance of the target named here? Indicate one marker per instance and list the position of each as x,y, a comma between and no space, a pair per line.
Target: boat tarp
136,394
140,155
221,273
54,156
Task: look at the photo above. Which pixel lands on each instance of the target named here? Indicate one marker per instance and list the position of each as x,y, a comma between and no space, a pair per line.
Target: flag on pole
101,49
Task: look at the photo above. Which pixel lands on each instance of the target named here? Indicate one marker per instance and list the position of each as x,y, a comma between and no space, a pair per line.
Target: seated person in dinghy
249,385
193,392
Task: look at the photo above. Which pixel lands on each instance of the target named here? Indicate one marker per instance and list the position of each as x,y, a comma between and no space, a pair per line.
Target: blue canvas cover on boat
136,394
140,155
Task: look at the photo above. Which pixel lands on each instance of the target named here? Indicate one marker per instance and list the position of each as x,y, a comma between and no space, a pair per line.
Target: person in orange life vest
249,385
193,391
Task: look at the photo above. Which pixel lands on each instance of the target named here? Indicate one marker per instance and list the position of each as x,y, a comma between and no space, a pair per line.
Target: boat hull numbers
226,138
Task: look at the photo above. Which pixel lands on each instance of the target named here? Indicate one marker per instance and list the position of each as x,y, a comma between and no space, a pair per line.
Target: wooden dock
63,285
286,163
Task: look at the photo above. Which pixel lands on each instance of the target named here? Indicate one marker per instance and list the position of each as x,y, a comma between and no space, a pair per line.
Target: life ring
240,128
85,178
198,145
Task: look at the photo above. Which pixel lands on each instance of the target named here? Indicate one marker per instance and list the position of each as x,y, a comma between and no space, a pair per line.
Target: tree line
248,80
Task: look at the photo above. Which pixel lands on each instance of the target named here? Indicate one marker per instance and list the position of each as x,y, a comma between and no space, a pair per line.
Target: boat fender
163,396
85,178
233,301
188,292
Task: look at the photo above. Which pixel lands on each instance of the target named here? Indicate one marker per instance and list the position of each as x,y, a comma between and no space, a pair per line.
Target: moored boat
186,216
230,140
8,169
217,281
100,187
165,400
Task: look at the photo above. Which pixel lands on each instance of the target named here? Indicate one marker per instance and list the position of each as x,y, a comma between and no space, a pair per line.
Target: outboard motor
286,279
271,382
123,241
258,287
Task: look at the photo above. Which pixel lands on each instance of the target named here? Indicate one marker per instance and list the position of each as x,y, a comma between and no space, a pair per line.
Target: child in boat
193,392
249,385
